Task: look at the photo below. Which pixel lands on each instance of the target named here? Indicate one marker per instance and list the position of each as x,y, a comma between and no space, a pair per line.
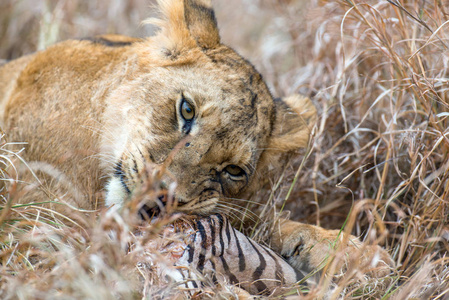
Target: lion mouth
199,206
202,208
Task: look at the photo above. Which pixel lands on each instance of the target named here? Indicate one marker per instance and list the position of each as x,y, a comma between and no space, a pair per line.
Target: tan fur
95,112
307,247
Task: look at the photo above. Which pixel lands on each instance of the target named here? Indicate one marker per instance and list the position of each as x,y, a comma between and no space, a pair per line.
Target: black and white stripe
220,253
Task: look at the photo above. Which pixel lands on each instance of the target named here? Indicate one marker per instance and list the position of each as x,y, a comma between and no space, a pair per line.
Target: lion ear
294,120
201,22
184,25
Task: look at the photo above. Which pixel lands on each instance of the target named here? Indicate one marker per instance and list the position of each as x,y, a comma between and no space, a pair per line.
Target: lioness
98,110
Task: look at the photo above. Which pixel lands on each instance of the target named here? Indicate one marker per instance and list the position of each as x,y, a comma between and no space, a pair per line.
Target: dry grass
378,74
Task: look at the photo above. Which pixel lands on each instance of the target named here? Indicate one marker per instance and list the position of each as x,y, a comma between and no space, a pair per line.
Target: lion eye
234,171
187,110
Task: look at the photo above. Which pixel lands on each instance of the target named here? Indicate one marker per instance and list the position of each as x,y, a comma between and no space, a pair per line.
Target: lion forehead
226,88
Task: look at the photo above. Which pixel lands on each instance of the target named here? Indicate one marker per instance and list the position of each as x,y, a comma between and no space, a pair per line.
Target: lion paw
309,248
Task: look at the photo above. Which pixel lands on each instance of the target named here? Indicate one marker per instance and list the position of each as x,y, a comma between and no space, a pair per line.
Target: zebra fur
220,253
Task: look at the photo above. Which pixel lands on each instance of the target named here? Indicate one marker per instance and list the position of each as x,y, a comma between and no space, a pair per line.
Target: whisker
245,200
241,209
230,214
238,214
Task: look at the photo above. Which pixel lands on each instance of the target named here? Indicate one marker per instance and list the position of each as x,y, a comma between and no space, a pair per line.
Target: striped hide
219,253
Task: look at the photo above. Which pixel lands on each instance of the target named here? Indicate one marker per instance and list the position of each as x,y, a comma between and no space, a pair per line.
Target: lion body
92,108
63,91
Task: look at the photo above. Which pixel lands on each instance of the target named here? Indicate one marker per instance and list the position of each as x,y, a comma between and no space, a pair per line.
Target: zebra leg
307,247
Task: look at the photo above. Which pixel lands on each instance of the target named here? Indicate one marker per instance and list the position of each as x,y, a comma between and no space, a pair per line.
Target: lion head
198,107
